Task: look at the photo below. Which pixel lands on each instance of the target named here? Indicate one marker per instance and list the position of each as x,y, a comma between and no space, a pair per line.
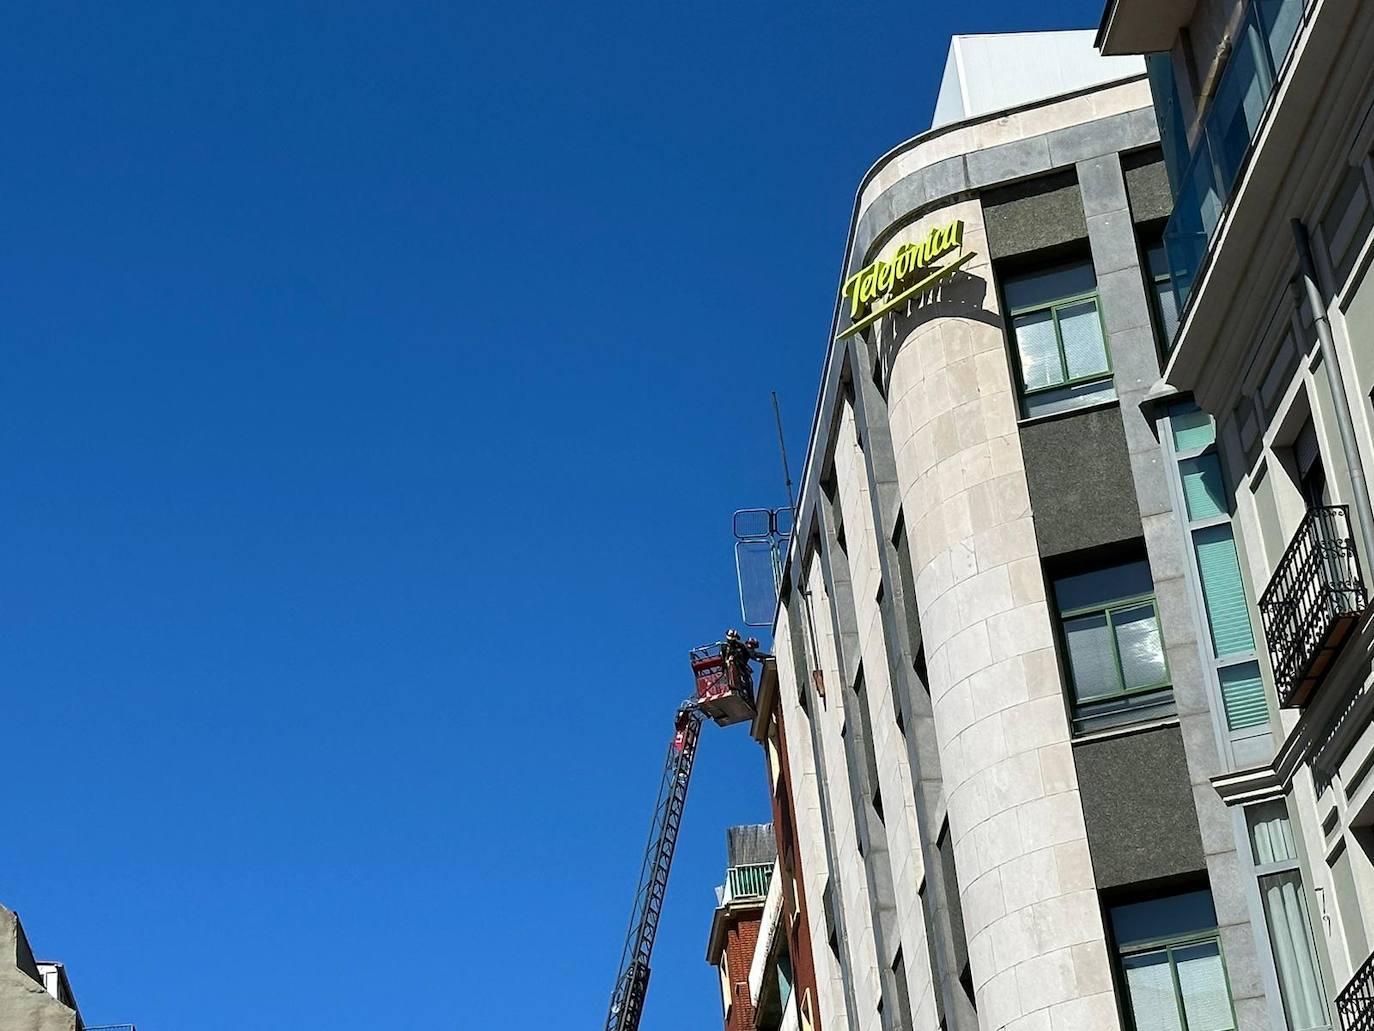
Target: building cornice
724,918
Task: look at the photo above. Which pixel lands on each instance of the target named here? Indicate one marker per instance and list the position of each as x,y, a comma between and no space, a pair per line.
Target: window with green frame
1172,967
1060,340
1190,447
1113,647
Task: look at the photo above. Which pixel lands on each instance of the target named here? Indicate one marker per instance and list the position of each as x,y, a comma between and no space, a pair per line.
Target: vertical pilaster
1126,312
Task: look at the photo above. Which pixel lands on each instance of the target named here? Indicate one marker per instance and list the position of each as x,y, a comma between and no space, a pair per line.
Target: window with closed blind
1172,966
1059,338
1188,436
1112,645
1288,920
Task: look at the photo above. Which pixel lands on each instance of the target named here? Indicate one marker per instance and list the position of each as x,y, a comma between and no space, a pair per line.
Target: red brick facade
741,936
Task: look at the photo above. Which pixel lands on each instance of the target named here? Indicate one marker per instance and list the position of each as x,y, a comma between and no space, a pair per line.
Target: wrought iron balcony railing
1312,602
1356,1002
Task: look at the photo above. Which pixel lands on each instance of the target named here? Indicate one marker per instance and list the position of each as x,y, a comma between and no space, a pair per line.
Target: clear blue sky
379,383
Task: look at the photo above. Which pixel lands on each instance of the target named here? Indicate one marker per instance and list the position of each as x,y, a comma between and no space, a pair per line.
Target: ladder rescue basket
720,694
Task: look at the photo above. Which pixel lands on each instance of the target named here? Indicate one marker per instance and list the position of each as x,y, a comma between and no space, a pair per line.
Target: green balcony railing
748,881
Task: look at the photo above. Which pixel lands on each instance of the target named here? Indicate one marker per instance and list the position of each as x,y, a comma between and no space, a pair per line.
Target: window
1113,646
1285,913
1204,507
903,995
1163,300
1060,341
1230,121
784,977
907,578
1307,456
1172,964
832,922
950,874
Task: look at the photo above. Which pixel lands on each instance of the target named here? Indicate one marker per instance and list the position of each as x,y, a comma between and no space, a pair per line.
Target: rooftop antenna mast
782,447
817,677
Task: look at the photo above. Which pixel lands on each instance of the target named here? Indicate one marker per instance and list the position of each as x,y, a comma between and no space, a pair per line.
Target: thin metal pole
782,447
1344,419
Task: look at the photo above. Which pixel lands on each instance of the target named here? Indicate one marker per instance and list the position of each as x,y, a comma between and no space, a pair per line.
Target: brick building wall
740,939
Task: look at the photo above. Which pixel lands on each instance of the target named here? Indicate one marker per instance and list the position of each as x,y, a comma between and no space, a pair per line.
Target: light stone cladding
852,895
1036,941
812,822
768,932
917,435
894,774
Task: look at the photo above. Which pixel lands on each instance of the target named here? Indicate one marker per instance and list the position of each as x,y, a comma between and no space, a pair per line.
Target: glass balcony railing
1223,140
1356,1002
1312,603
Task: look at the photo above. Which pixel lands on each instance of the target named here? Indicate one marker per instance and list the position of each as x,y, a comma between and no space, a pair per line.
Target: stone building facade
999,677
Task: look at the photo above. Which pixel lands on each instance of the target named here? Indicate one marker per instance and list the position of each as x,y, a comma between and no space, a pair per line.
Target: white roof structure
996,71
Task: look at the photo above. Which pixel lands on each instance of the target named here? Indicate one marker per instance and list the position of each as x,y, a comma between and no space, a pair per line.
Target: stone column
1036,940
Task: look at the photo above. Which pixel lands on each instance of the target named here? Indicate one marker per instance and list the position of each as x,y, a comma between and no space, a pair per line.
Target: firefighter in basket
737,653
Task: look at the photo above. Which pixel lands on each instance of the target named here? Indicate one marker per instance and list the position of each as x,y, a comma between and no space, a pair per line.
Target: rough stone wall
24,1004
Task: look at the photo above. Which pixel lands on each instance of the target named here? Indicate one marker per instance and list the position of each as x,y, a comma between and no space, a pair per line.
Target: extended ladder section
724,694
632,982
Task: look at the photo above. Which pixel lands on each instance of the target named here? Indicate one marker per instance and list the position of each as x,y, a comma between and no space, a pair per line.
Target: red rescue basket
716,695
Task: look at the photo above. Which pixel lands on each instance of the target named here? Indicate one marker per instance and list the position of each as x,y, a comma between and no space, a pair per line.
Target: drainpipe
1344,419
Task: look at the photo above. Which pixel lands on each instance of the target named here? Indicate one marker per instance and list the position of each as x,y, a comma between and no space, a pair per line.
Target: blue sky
380,381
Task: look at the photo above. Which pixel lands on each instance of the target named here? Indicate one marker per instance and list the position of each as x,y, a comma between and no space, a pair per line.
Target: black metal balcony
1312,602
1356,1003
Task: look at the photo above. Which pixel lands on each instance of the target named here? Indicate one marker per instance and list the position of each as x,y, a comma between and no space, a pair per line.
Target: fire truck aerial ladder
724,693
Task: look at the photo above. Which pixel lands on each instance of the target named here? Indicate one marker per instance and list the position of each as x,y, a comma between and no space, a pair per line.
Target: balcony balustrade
1312,602
748,881
1356,1003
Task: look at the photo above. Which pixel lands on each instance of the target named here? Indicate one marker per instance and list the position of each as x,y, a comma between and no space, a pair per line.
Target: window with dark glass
1059,338
1163,300
1307,455
1113,648
944,845
1172,966
1203,177
903,994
